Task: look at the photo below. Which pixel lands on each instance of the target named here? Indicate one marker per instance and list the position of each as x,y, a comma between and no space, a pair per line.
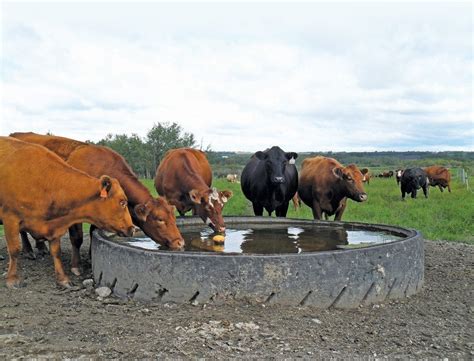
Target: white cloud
306,77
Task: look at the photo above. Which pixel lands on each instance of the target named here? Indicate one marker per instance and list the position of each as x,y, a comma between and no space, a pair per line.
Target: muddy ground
42,320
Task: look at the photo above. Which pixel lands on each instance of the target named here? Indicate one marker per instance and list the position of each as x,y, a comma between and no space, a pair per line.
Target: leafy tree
165,136
133,149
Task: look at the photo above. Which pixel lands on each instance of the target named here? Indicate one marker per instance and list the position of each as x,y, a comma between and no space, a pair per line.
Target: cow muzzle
362,197
129,232
176,244
278,180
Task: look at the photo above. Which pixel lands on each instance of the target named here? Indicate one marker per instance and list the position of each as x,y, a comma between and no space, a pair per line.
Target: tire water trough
266,260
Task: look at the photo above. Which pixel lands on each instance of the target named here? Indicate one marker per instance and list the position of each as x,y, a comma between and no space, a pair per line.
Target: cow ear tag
103,193
292,161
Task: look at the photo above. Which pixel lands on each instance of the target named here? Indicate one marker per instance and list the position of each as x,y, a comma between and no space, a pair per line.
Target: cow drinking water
153,215
184,177
270,180
43,195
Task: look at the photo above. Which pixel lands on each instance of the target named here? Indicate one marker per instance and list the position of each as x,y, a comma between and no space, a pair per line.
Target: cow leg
76,238
26,245
55,249
340,210
41,247
449,188
441,188
316,210
12,229
282,210
257,209
425,191
413,193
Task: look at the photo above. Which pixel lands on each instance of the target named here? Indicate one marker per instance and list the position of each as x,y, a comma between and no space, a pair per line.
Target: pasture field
443,216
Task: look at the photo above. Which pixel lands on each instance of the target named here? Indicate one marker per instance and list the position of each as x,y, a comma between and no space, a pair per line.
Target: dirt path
42,320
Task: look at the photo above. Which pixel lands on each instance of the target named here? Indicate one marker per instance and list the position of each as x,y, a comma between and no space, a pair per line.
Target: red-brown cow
439,176
153,215
184,177
325,184
43,195
366,175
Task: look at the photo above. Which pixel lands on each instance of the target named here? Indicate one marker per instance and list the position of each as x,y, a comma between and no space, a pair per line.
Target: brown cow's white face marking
214,196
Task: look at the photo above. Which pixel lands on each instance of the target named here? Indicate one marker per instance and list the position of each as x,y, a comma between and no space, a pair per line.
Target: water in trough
271,239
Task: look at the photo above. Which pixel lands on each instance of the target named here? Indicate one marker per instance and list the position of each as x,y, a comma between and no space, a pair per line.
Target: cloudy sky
244,76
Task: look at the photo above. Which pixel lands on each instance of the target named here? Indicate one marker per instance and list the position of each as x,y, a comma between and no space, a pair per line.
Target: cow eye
123,204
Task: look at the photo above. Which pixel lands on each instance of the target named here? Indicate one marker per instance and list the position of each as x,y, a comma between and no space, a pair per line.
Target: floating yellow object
207,245
218,238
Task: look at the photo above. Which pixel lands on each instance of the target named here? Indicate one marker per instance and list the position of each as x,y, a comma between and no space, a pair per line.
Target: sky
311,76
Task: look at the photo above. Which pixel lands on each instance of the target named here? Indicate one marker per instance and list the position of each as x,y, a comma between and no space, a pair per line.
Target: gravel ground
42,320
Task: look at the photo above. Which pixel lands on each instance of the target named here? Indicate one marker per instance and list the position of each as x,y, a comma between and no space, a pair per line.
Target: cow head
209,204
110,208
276,161
156,218
350,178
399,173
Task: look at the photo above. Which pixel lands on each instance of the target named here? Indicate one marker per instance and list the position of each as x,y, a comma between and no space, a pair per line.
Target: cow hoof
15,284
65,283
29,255
76,271
43,252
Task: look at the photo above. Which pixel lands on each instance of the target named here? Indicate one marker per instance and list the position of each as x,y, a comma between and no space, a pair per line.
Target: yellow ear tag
103,193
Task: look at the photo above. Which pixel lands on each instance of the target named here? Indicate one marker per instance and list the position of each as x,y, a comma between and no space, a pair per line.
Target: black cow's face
276,162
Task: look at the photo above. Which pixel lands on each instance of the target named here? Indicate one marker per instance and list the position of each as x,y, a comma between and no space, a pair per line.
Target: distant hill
224,163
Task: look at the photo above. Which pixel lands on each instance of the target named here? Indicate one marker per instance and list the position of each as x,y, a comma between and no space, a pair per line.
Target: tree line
145,154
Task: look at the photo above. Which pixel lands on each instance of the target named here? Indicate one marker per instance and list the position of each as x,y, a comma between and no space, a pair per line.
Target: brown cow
325,184
366,175
232,178
153,215
439,176
43,195
184,177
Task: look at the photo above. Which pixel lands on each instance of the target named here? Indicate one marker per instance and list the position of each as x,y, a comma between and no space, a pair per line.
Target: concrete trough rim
407,233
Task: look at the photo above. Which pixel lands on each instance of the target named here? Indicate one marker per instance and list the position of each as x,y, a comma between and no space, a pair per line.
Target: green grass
443,216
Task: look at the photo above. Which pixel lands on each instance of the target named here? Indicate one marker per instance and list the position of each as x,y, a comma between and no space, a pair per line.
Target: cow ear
225,195
195,196
105,186
260,155
338,172
291,155
141,211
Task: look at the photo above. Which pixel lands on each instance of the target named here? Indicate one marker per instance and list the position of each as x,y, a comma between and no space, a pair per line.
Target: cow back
182,170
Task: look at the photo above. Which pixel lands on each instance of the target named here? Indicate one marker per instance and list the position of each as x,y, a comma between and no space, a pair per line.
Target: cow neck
194,179
76,202
135,191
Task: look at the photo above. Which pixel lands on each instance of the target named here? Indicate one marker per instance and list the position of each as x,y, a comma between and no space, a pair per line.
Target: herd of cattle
50,185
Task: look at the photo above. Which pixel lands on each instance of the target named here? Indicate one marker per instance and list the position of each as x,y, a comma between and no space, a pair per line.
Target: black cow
412,180
270,180
398,175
